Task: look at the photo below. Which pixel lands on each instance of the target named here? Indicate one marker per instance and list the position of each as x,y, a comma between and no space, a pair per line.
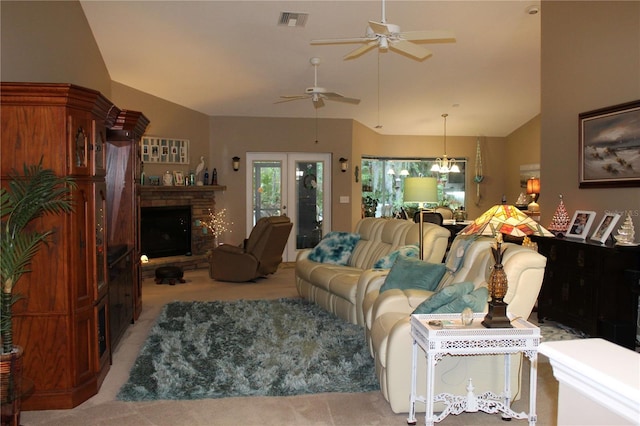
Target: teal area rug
249,348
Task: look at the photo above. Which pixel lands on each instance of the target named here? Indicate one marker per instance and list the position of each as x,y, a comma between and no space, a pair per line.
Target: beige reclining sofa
335,287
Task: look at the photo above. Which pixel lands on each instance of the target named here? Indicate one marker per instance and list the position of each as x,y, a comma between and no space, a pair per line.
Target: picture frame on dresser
580,224
607,144
604,228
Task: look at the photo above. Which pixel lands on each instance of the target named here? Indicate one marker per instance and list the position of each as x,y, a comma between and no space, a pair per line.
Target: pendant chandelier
445,165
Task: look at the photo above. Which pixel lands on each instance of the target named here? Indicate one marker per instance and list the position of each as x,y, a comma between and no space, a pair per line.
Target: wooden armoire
63,320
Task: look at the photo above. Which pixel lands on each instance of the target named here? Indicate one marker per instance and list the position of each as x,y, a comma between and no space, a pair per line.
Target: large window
383,184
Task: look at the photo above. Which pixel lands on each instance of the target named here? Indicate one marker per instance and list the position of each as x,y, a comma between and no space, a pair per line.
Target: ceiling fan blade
360,50
291,98
332,96
380,28
429,35
411,49
342,40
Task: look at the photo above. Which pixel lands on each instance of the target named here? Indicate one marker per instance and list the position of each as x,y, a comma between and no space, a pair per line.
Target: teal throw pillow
411,273
388,261
443,297
335,248
476,300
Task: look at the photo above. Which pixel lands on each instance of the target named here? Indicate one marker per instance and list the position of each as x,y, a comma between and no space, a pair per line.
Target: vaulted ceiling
232,58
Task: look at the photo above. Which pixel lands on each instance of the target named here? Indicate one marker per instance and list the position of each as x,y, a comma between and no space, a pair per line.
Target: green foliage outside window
383,182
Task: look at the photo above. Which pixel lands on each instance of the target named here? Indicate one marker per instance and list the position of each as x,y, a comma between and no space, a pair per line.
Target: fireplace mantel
145,190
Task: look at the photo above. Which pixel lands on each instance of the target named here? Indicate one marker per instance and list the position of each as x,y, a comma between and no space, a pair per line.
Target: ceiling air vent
293,19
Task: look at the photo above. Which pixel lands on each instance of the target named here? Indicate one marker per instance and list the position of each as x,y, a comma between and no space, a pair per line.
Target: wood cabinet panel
61,323
585,288
123,217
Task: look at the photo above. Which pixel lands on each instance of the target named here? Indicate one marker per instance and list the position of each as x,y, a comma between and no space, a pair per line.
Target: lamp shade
533,186
505,219
420,190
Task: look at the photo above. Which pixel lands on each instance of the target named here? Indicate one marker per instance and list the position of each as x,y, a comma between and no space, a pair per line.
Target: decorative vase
11,386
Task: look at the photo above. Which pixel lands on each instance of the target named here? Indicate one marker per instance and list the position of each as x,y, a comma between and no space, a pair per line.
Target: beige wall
523,147
235,136
50,42
590,60
169,120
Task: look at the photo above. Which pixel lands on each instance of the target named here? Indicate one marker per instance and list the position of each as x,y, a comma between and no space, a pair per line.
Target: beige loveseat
387,322
335,287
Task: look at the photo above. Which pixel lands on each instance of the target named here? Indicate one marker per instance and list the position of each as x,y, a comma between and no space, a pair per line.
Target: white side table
438,341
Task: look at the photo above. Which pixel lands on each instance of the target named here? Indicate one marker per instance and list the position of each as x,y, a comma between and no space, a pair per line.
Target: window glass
383,185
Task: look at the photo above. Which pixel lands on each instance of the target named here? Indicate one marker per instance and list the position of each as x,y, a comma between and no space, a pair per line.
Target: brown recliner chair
260,254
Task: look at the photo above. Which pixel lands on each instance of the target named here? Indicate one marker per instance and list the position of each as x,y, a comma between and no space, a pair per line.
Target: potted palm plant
35,193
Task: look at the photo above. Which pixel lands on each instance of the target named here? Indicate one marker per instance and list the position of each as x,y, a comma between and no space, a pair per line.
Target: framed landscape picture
580,224
609,146
605,227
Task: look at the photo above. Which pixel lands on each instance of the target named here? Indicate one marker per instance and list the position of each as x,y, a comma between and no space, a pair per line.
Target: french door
297,185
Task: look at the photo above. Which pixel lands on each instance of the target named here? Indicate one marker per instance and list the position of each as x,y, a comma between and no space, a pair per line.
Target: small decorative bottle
214,178
206,176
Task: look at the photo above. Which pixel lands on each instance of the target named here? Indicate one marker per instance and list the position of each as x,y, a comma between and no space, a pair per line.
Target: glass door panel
309,203
266,189
279,181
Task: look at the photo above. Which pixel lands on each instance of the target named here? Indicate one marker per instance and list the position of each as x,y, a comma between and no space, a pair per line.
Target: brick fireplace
200,198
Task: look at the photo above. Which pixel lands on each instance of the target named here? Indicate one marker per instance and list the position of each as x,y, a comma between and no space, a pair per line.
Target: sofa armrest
303,254
525,272
369,285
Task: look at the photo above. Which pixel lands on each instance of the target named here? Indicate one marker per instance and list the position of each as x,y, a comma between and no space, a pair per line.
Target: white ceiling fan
389,36
318,94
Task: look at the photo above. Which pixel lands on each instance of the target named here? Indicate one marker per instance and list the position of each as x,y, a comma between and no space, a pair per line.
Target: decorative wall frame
157,149
580,224
609,142
605,227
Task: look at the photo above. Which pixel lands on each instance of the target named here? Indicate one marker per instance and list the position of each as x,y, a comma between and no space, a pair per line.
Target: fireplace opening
165,231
